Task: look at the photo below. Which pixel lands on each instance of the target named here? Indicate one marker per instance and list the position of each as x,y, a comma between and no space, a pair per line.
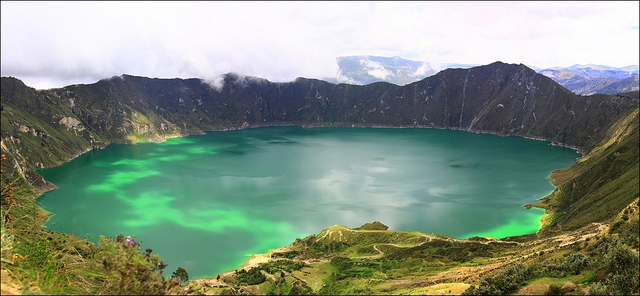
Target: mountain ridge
580,79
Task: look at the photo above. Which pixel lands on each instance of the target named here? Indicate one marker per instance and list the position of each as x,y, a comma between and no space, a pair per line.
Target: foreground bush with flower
130,272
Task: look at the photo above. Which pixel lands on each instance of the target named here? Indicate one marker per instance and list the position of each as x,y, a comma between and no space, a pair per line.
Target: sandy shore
255,260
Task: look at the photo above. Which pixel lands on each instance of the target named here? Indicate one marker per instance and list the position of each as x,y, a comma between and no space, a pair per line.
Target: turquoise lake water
207,202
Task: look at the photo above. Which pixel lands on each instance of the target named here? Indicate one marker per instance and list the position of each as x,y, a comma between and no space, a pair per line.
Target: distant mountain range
590,79
580,79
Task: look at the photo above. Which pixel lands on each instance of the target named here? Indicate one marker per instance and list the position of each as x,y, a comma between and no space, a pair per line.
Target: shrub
128,271
251,277
623,264
300,288
598,289
553,290
576,263
347,268
181,274
560,267
287,255
505,281
276,266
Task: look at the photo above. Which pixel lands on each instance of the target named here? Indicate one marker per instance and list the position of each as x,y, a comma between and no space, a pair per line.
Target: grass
437,289
540,286
600,184
40,260
315,274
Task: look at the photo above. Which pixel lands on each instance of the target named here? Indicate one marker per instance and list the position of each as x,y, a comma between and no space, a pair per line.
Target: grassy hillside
600,184
340,260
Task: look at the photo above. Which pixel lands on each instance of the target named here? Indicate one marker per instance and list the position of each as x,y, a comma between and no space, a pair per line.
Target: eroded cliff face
45,128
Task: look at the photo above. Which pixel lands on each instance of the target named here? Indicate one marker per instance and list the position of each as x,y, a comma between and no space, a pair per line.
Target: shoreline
253,261
256,259
245,125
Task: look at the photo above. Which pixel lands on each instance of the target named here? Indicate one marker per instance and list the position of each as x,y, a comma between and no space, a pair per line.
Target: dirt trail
454,275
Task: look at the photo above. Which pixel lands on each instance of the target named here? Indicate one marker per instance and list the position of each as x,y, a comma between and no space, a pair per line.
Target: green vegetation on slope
599,185
340,260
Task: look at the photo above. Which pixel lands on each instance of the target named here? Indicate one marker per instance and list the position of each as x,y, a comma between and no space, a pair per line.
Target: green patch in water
528,224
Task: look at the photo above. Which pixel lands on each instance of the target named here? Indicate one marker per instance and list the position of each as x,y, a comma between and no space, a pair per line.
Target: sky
54,44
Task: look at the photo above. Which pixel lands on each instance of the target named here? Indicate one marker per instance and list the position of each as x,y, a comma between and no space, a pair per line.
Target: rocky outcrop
71,123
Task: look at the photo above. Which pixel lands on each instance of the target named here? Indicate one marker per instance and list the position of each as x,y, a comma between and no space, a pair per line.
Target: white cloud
216,83
376,69
423,70
341,78
52,44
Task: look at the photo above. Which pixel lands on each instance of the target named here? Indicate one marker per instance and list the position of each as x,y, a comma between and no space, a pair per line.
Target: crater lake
207,202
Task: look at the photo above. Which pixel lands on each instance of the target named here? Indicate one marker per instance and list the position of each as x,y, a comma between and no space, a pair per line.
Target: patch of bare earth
10,286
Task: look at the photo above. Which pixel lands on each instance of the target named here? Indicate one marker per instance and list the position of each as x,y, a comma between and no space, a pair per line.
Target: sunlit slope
600,184
375,261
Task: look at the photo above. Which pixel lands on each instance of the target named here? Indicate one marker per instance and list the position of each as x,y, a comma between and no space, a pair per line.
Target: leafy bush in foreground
503,282
623,264
563,266
131,272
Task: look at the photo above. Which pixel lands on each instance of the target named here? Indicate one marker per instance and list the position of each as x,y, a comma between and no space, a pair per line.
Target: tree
181,274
